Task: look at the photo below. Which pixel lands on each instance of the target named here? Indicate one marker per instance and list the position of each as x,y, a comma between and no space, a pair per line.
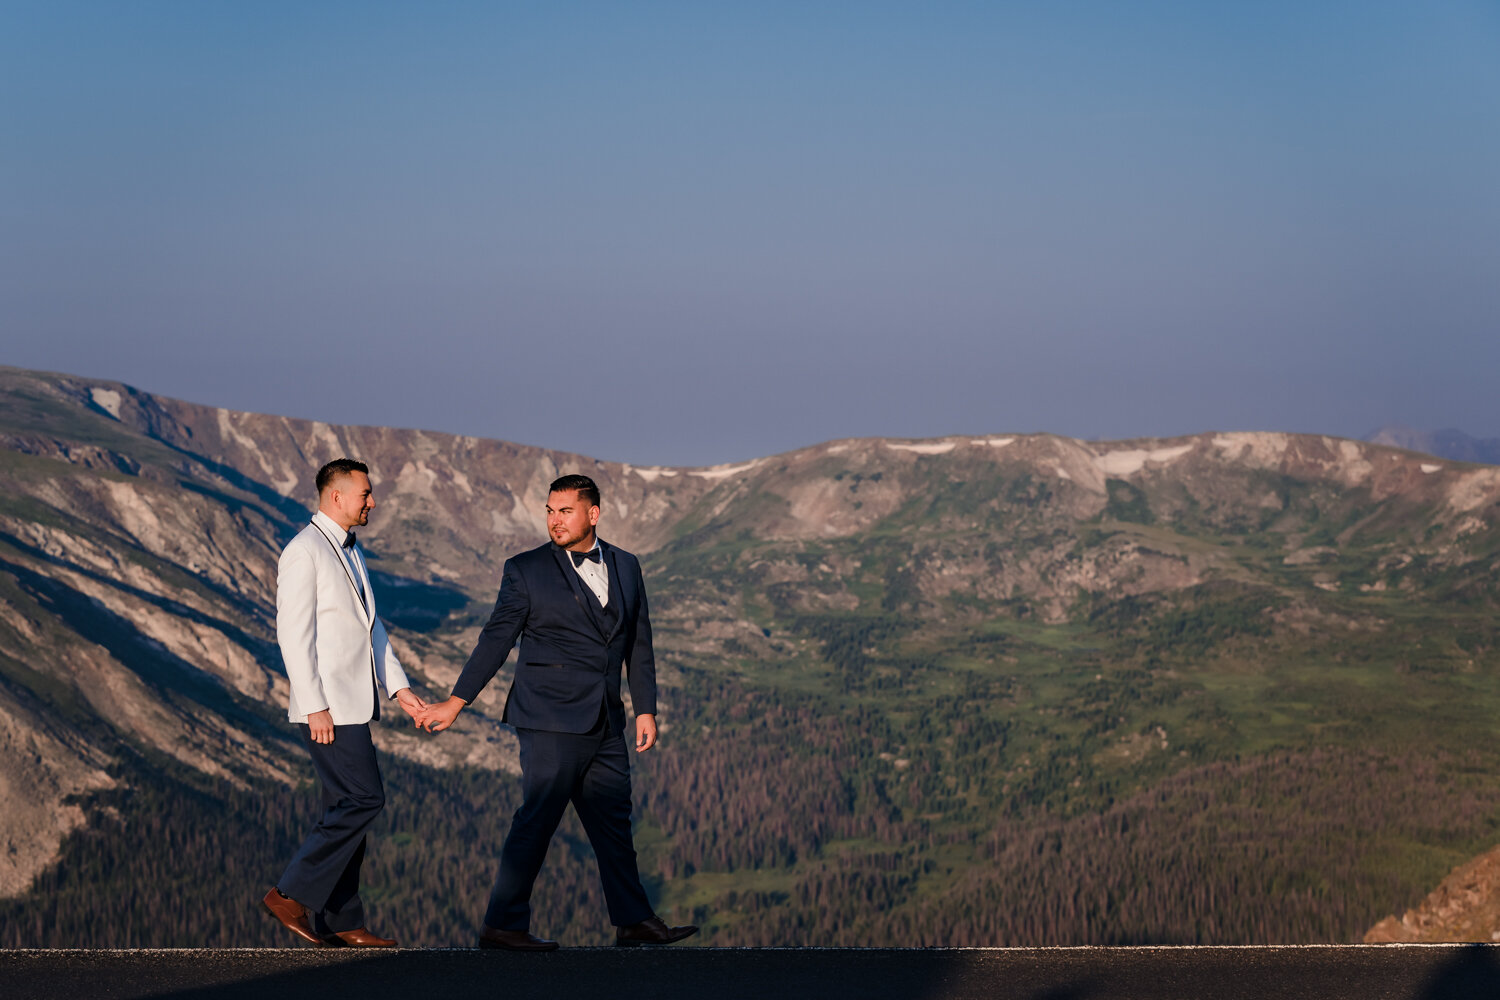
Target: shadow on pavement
1365,972
1473,974
666,974
1068,991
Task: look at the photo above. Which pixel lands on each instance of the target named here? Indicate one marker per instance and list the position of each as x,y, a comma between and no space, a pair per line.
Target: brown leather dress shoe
357,938
652,931
291,913
513,940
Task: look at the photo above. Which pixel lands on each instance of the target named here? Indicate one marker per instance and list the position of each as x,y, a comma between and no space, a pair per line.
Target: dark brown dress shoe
291,913
358,938
652,931
513,940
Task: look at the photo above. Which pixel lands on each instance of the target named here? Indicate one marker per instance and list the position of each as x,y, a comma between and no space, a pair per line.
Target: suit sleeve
498,636
640,659
297,627
387,666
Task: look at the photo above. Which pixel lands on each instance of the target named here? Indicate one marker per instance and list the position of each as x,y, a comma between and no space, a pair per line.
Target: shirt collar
597,547
329,527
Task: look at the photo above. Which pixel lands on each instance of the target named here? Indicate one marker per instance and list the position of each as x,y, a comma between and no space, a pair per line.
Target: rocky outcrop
1464,907
42,769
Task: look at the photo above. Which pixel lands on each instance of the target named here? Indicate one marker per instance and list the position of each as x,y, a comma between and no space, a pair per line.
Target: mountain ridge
1449,443
850,581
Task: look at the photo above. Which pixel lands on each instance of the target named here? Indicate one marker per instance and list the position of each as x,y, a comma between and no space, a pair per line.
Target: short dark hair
338,467
583,484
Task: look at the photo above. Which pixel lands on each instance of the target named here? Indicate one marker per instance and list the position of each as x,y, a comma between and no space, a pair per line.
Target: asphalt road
1374,972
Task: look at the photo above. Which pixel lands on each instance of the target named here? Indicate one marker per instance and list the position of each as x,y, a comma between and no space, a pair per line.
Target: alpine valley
981,690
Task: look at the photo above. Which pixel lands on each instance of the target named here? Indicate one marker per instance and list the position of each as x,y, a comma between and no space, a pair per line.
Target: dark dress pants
324,873
592,771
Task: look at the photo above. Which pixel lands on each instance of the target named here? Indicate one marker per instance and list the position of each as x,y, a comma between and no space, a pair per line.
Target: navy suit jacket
572,650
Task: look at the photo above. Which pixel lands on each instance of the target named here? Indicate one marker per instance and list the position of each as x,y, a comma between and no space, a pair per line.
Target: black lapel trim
347,575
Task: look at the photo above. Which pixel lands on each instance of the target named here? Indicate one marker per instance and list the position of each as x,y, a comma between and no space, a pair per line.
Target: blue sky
700,232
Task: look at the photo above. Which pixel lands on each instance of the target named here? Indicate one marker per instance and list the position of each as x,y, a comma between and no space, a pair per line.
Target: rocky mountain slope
1097,616
1464,907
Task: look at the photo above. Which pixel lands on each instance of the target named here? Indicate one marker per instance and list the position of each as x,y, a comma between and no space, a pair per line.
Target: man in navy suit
578,607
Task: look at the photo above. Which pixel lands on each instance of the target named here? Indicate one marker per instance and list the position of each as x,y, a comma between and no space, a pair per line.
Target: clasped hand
439,716
411,701
320,724
433,718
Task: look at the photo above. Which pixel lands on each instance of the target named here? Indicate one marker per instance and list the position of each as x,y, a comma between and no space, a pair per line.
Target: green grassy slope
942,696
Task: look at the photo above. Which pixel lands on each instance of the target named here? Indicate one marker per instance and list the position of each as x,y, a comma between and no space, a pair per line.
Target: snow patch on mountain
924,447
1126,463
107,400
651,475
725,471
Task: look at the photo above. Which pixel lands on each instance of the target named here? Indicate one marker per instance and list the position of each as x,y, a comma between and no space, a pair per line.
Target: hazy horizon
678,235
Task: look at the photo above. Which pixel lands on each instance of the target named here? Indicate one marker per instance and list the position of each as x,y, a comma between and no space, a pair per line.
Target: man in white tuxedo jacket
340,663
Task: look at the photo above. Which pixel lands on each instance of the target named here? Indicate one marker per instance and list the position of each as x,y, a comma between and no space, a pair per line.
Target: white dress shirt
595,574
351,555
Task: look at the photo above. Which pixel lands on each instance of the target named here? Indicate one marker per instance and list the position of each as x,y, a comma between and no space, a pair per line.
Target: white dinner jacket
335,649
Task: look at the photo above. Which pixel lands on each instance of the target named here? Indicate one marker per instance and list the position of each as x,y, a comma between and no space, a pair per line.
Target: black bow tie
349,540
578,557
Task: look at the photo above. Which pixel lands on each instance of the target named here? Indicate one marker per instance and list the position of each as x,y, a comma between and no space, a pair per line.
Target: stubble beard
569,542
